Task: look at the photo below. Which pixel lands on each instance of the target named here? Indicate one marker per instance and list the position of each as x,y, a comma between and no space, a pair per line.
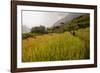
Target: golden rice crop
53,47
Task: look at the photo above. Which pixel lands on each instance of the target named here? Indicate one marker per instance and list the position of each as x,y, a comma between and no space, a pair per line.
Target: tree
40,29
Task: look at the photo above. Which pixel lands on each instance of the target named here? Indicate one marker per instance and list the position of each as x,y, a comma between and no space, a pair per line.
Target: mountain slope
81,21
67,18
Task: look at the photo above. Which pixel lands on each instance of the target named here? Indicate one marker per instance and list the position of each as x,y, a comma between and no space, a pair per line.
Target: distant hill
74,23
25,29
67,18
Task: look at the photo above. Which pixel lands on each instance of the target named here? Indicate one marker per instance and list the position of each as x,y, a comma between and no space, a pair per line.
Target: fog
37,18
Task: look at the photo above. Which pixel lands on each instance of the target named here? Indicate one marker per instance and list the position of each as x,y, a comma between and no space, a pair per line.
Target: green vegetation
84,35
27,35
40,29
69,41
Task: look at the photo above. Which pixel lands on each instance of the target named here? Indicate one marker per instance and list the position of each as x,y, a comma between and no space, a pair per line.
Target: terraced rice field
56,46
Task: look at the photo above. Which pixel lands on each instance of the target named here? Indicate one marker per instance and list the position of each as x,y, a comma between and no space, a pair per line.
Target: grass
56,46
84,35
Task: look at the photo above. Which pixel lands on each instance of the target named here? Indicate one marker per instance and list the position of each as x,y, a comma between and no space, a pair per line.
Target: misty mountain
25,29
67,18
78,22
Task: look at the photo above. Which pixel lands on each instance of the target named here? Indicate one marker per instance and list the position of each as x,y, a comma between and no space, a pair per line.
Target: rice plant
56,47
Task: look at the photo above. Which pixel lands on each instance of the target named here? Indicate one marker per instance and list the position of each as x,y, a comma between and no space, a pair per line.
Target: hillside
67,18
81,21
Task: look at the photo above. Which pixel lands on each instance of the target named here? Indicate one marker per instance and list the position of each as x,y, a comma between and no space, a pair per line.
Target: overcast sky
37,18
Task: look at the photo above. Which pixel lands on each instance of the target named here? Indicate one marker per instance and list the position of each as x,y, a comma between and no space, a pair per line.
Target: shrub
40,29
26,35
